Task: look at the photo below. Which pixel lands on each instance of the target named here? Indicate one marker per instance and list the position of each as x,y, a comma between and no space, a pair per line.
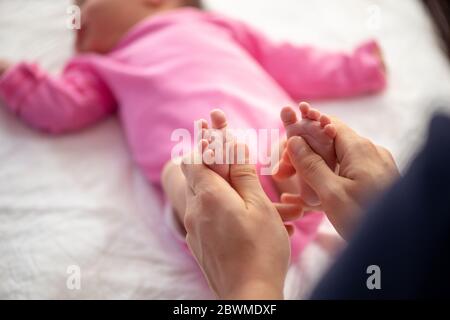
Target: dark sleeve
406,233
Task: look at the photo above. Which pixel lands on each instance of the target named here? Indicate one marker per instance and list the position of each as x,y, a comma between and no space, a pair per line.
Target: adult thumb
243,175
310,167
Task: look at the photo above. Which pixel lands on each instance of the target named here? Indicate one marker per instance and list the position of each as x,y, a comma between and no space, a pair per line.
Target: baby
162,64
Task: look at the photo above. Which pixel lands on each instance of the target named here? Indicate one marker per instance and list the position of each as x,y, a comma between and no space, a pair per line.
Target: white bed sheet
79,200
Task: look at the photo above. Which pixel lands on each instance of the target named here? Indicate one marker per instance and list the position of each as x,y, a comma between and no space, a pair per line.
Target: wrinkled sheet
79,200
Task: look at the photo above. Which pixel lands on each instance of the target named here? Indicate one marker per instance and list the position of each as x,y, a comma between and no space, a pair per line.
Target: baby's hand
379,53
4,66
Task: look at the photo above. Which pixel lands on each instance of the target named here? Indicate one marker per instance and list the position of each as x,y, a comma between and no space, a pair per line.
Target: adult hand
365,170
4,66
235,232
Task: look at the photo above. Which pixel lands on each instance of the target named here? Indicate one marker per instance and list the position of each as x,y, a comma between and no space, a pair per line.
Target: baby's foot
319,132
216,154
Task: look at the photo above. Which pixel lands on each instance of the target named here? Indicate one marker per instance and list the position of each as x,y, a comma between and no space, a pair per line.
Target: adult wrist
255,290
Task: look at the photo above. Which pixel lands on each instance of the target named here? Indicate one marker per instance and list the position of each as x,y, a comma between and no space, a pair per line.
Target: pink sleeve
306,72
72,101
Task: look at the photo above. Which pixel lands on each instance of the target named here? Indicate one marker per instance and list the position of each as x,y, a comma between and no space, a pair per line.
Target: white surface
78,200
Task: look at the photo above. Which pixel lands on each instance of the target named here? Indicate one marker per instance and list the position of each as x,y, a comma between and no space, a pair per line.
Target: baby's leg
174,186
319,132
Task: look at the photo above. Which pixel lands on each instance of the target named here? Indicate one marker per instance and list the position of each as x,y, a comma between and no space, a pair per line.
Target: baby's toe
331,131
324,120
304,109
218,119
314,115
308,112
290,122
209,157
203,124
288,116
204,145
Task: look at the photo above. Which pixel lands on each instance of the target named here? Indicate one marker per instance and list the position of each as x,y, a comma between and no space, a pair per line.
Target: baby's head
105,22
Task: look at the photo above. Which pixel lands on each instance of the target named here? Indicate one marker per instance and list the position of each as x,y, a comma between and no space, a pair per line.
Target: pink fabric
172,69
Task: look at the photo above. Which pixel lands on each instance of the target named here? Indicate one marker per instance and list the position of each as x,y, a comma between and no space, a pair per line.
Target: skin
242,245
231,244
365,170
4,66
319,133
105,22
174,182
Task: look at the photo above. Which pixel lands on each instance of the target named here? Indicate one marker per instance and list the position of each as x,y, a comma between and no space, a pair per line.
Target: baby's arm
309,73
72,101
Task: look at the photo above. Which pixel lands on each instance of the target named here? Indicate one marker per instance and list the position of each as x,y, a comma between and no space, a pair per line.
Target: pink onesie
172,69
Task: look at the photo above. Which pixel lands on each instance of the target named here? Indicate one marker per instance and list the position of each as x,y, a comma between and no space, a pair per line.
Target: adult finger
289,212
310,167
243,175
347,140
198,176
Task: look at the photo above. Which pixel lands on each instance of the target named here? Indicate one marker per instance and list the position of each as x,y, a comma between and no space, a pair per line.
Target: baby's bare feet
217,141
319,132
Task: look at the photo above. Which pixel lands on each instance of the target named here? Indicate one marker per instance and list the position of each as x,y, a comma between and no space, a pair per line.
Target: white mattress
79,200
